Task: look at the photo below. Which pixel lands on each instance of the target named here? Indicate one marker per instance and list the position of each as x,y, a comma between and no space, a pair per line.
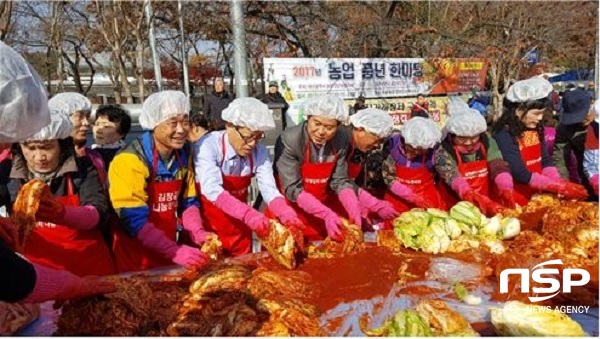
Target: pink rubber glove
311,205
405,193
551,172
350,202
544,183
504,182
63,285
156,240
283,211
461,187
384,209
231,206
192,222
594,183
80,217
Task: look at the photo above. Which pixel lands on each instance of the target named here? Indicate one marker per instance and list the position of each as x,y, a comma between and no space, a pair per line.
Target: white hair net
69,103
466,124
596,109
373,120
23,100
249,112
328,106
160,106
530,89
421,132
60,127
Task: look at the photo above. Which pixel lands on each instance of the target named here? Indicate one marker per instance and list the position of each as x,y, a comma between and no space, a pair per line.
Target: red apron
420,181
163,198
353,169
235,235
315,180
532,157
476,173
60,247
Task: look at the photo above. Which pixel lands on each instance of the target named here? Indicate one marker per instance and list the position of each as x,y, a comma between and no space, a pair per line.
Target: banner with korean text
300,78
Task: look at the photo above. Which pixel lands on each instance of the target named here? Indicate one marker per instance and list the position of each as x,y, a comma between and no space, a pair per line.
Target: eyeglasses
465,141
256,137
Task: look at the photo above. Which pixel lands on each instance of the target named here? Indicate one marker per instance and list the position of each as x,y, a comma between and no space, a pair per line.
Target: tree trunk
5,17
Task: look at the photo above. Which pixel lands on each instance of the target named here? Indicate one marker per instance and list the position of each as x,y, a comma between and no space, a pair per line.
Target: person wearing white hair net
468,160
68,234
591,153
409,169
152,190
24,112
79,109
226,161
368,129
311,161
520,136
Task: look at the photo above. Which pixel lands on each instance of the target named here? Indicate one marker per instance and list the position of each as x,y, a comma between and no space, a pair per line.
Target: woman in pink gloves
226,161
311,160
67,235
409,169
369,128
520,137
469,162
151,185
23,112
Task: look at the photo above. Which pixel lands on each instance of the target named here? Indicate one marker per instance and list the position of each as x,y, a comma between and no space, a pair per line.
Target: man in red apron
409,169
67,235
519,134
368,129
226,161
310,159
152,190
468,161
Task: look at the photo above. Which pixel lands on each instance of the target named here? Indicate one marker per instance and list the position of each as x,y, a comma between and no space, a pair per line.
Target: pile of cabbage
464,227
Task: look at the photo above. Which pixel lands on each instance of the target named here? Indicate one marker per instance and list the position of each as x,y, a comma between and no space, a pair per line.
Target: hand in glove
192,222
561,187
283,211
384,209
190,257
573,191
507,198
233,207
485,204
50,210
258,223
156,240
311,205
350,202
405,193
53,284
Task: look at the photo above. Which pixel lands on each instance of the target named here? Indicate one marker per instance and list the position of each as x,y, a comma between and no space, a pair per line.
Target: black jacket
276,98
214,104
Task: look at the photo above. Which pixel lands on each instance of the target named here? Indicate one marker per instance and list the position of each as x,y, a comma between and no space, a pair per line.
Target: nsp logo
537,276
